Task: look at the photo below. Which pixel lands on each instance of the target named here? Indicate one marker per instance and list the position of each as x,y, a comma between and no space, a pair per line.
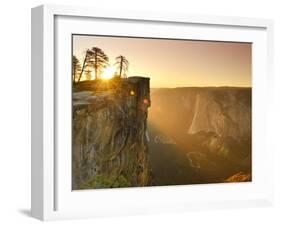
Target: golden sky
176,63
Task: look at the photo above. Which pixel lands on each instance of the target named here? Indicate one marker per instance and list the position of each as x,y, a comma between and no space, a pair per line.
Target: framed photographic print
137,112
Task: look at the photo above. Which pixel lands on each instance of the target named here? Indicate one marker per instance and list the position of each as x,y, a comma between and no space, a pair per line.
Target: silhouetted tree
98,60
122,65
76,69
85,63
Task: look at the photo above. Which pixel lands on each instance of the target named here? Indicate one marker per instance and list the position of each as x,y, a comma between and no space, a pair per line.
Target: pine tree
122,65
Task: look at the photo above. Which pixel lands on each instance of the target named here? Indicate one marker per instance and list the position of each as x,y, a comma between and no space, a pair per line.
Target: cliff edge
110,146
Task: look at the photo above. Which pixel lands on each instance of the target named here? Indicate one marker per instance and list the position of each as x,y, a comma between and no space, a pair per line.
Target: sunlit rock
109,134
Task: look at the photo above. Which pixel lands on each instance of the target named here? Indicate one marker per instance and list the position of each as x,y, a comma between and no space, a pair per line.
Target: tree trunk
83,67
96,66
121,65
74,72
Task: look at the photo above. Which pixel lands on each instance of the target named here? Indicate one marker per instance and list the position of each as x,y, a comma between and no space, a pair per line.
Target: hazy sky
176,63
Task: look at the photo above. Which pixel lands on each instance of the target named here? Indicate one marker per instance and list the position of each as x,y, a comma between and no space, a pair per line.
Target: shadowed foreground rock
110,134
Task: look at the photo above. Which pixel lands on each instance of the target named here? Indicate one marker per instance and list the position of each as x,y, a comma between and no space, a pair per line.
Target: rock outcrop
110,134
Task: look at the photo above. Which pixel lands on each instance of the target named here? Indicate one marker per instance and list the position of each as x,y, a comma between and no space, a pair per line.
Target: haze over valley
200,135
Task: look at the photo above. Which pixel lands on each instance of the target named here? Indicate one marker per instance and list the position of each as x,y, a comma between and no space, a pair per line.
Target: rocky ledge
110,133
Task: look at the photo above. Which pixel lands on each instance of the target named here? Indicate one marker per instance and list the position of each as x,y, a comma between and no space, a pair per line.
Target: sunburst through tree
95,59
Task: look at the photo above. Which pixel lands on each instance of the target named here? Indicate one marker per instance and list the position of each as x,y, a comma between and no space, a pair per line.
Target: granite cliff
110,147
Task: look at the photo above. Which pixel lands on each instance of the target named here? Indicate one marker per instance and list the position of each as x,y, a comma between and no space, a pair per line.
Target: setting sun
108,73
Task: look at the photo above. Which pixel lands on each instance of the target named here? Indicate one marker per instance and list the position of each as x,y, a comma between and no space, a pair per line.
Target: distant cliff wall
214,118
225,111
109,134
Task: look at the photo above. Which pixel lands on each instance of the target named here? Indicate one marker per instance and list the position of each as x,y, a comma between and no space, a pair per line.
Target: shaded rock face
222,113
110,134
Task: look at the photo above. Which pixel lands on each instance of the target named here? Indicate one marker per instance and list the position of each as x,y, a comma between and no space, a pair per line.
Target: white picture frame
52,197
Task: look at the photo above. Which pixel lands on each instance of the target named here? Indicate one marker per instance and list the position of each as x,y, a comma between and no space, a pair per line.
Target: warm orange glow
108,73
132,93
176,63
